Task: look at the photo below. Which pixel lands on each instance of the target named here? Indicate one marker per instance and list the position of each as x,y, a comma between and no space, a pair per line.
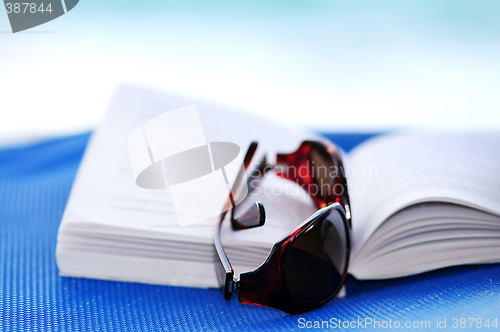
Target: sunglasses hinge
236,283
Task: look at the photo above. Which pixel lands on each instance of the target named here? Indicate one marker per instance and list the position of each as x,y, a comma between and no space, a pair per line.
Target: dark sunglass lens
315,263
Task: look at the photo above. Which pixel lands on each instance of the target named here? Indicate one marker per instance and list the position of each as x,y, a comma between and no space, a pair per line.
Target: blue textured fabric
35,182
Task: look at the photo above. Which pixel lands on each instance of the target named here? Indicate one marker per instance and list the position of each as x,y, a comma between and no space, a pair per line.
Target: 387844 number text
27,8
468,323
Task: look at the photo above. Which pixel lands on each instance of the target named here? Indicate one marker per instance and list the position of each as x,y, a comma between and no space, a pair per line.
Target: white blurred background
328,65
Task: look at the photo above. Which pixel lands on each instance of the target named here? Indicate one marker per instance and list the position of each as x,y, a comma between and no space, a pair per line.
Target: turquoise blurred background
350,65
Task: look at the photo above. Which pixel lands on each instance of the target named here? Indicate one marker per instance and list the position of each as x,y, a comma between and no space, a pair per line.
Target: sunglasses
309,266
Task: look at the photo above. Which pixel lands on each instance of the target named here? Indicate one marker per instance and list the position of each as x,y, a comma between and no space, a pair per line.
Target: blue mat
35,182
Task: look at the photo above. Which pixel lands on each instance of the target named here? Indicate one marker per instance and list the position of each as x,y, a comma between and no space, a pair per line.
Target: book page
428,236
105,198
389,173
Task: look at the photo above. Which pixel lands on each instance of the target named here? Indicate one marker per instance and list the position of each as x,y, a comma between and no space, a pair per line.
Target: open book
418,202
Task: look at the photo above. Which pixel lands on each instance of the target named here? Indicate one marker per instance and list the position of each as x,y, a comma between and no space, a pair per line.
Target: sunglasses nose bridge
253,216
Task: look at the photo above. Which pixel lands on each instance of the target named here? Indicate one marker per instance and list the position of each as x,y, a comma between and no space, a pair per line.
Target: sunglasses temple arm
253,216
223,268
